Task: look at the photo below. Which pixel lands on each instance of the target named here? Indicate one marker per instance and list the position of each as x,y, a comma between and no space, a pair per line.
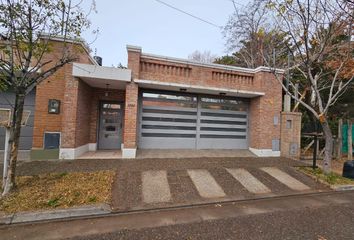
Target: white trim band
73,153
92,147
265,152
128,152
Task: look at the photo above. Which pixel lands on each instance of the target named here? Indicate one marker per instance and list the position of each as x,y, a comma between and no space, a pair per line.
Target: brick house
157,103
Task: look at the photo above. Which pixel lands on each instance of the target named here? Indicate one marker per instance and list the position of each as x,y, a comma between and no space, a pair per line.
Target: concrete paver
206,184
251,183
285,179
155,187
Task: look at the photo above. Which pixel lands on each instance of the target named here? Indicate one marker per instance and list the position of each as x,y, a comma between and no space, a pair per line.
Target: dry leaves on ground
59,190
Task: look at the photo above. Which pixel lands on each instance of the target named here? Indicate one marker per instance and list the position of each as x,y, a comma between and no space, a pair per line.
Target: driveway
169,182
159,183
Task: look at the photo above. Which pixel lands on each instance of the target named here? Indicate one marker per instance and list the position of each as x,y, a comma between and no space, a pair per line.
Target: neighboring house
157,103
7,101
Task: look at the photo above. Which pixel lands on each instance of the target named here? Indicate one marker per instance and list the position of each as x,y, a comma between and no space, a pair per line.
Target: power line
189,14
237,3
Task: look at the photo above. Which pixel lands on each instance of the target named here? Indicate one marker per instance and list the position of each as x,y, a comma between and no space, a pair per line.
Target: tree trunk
327,133
14,141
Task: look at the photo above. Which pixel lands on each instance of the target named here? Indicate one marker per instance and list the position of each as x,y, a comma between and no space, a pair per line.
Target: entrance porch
94,113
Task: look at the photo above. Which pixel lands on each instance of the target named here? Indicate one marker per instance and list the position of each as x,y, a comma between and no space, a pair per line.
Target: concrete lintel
196,89
100,72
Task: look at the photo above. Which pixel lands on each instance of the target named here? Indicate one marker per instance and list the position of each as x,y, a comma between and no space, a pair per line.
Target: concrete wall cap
133,48
78,40
291,113
210,65
268,69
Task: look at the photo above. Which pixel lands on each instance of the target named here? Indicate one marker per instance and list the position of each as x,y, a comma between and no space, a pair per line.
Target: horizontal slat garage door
222,124
168,120
182,121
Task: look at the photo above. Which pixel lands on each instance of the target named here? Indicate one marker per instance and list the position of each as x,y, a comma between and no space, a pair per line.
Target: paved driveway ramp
146,189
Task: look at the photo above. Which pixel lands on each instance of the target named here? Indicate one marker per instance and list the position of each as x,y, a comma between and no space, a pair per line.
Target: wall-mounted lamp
183,89
54,106
106,93
222,94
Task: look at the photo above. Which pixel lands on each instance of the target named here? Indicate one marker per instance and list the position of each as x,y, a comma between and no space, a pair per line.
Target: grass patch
332,178
58,190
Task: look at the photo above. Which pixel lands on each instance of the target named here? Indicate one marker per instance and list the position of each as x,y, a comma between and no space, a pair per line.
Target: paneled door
110,129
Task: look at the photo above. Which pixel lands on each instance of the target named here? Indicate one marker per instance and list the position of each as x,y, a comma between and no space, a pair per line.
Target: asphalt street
334,222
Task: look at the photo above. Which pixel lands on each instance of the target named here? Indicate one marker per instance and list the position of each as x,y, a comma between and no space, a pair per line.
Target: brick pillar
130,118
69,117
290,145
131,104
264,123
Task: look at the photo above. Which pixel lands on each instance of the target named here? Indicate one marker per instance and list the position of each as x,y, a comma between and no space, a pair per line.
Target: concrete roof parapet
134,48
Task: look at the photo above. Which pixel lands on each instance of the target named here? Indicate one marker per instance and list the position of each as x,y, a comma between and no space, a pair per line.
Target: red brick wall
83,114
290,135
68,136
131,102
262,109
131,115
164,71
51,88
54,87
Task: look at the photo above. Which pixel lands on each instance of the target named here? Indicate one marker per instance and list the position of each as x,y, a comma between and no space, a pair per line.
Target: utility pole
340,140
350,140
287,98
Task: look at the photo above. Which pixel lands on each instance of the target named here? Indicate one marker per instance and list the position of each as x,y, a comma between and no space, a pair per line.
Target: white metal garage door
170,120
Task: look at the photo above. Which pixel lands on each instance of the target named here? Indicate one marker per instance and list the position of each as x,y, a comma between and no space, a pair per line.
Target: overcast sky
157,28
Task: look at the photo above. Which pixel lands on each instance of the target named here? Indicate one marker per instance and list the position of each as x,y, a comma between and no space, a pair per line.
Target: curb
84,211
342,187
338,188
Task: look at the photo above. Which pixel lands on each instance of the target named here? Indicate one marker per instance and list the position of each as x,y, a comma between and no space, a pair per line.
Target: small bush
53,202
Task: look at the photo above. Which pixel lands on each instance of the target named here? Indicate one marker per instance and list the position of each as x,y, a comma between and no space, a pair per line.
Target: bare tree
203,57
321,34
252,36
27,28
